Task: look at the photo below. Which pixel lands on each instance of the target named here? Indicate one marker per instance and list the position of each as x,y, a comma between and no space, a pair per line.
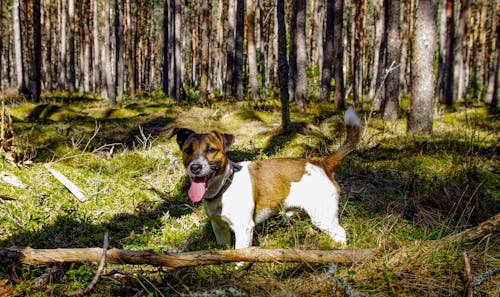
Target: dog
239,196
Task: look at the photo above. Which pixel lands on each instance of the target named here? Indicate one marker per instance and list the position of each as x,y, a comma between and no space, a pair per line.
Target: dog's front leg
222,232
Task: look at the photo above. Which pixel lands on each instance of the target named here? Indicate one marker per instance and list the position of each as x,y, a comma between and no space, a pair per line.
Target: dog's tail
353,127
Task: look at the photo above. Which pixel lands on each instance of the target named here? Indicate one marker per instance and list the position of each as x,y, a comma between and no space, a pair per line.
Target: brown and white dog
239,196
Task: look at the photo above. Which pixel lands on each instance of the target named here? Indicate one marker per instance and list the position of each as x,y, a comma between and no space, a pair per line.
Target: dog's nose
195,168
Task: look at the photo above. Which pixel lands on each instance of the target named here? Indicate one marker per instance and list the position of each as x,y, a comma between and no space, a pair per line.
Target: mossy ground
396,188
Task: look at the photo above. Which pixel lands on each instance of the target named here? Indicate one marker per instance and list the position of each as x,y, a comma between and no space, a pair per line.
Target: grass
396,188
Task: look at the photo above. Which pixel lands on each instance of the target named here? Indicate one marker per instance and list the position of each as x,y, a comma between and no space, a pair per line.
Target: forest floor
396,188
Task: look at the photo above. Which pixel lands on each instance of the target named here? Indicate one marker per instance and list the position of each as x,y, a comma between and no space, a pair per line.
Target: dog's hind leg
326,219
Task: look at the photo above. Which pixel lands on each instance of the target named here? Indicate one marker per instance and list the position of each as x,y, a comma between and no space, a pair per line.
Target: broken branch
74,189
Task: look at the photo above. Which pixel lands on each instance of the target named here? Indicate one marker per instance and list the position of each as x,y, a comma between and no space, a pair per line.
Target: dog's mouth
198,187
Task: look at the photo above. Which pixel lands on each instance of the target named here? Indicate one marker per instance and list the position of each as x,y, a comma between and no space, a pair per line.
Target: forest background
94,86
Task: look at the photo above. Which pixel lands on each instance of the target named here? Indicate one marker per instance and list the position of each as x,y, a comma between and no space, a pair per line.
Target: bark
36,77
493,91
230,47
86,69
300,44
107,55
130,49
357,71
96,77
338,52
283,66
1,44
449,46
423,78
328,51
459,53
18,46
186,259
390,104
47,44
205,46
119,44
219,61
177,54
292,52
376,84
62,44
251,50
71,44
165,63
238,49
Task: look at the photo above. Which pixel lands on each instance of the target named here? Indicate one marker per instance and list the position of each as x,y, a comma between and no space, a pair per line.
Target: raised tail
353,127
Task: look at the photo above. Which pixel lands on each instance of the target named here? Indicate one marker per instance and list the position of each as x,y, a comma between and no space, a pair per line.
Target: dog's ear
182,135
227,140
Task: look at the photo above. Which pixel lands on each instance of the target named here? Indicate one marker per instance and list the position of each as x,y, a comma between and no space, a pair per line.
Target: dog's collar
234,168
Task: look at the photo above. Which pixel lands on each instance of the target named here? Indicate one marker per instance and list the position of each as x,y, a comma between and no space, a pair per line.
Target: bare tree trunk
1,45
378,54
283,66
358,35
107,54
36,77
292,52
319,18
47,44
130,52
329,54
390,104
219,61
71,39
165,64
252,53
62,45
96,77
205,46
459,53
338,52
423,78
238,49
493,91
178,62
230,47
119,44
18,47
300,40
404,45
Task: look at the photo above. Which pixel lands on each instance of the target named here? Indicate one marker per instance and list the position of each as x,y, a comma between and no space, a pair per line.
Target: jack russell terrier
239,196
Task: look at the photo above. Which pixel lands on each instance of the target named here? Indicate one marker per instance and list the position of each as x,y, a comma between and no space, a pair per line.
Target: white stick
67,183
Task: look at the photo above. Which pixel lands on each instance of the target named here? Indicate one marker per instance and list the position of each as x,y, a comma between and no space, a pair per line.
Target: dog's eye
188,151
211,150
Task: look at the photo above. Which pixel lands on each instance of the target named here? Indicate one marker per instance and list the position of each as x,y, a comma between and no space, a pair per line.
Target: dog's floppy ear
182,135
227,140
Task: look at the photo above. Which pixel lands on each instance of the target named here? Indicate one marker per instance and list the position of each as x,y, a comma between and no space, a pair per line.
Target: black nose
195,168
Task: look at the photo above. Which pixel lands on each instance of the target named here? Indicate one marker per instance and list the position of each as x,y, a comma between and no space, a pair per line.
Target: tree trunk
494,82
165,63
1,45
390,104
96,77
205,47
283,66
178,62
238,49
329,54
71,39
449,53
459,53
130,51
338,52
107,54
251,51
318,21
18,46
36,77
219,61
292,52
119,44
300,41
47,74
376,83
230,47
423,78
358,34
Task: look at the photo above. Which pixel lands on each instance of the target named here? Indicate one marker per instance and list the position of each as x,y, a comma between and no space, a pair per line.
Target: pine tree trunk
165,63
62,45
494,81
119,44
107,54
230,47
300,40
283,66
251,51
71,39
423,78
96,77
449,57
1,46
357,71
329,54
205,46
378,55
219,61
18,46
459,53
238,49
292,52
338,52
47,44
36,77
178,62
390,104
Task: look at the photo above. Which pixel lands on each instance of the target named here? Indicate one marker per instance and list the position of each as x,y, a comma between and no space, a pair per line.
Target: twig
468,277
94,281
67,183
332,269
478,280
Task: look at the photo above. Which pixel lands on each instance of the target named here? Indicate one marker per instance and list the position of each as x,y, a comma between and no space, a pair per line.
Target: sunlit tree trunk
378,55
62,45
338,53
71,44
165,59
96,77
205,46
423,78
230,46
18,46
251,51
119,44
494,77
107,54
300,40
177,54
459,53
329,54
358,35
47,74
36,76
1,45
219,61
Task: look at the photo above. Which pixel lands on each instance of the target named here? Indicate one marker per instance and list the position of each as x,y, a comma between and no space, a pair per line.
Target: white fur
351,118
314,193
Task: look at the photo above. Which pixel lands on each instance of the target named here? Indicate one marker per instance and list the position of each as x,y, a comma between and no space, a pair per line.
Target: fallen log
9,256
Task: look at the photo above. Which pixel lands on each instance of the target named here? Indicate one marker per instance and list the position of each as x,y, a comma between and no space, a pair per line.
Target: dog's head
204,156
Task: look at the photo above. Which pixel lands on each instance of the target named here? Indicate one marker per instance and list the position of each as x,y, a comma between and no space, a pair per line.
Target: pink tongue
197,189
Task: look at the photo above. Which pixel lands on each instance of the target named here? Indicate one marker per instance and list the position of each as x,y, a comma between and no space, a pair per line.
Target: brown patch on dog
272,179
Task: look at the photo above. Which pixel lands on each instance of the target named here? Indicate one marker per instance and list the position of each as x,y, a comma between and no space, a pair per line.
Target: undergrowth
396,188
